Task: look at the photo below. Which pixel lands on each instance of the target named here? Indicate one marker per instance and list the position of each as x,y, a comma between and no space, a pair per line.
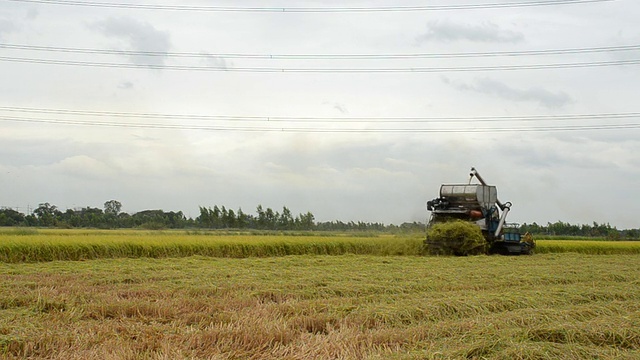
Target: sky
352,115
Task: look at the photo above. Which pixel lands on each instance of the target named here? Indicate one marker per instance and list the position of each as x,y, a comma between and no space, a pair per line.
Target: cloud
140,36
83,167
32,13
217,61
487,32
6,26
546,176
549,176
125,85
488,86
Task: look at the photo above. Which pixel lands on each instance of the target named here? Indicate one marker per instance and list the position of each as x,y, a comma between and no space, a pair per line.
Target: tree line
216,217
594,230
265,219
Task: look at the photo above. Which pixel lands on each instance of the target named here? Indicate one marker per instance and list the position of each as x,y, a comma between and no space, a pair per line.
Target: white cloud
6,26
139,36
485,32
32,14
126,85
84,167
217,61
539,95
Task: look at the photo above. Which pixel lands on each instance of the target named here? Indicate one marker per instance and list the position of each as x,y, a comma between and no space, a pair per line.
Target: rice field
546,306
30,245
49,245
134,294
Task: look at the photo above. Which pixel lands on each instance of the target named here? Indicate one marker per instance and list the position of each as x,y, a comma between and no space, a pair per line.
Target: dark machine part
479,204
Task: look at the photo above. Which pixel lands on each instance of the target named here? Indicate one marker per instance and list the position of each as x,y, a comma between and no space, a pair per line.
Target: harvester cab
479,204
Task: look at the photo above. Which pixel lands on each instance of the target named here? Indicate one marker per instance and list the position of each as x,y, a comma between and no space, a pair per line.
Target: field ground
546,306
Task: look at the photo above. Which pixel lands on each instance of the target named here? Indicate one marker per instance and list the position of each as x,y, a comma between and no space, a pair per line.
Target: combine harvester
477,204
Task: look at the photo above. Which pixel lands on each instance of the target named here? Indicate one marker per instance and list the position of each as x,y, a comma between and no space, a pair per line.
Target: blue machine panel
515,237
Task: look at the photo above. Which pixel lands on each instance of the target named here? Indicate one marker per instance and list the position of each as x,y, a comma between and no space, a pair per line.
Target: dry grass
568,306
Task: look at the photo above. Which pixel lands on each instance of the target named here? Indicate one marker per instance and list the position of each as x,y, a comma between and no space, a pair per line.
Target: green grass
546,306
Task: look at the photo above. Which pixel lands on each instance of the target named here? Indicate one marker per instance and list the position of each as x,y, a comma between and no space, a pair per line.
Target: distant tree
224,217
112,207
243,220
270,218
262,217
10,217
47,214
631,234
31,220
230,220
216,216
307,221
285,220
93,217
206,217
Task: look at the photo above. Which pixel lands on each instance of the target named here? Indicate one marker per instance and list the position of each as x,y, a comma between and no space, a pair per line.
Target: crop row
86,245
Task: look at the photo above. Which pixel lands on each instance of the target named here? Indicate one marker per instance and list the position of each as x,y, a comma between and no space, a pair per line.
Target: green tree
216,216
285,220
307,221
230,220
112,207
47,214
10,217
206,217
242,220
270,218
262,217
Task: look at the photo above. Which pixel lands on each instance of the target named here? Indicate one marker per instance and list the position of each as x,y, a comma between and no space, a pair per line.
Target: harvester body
479,204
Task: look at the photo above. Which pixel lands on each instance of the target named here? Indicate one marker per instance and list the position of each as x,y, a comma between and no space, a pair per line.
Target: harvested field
546,306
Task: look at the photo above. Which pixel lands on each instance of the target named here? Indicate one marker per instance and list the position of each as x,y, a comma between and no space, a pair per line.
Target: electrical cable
321,130
421,119
566,51
322,70
491,5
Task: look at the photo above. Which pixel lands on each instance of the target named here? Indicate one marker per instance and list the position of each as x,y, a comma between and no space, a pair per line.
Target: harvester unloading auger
477,204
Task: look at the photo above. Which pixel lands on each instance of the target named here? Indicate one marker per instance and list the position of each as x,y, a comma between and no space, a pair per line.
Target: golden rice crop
588,247
85,245
30,245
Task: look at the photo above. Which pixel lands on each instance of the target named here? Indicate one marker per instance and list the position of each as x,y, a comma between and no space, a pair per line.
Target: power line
489,5
290,129
344,119
322,70
566,51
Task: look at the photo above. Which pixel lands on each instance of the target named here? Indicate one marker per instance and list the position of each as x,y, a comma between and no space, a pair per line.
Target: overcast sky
381,142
